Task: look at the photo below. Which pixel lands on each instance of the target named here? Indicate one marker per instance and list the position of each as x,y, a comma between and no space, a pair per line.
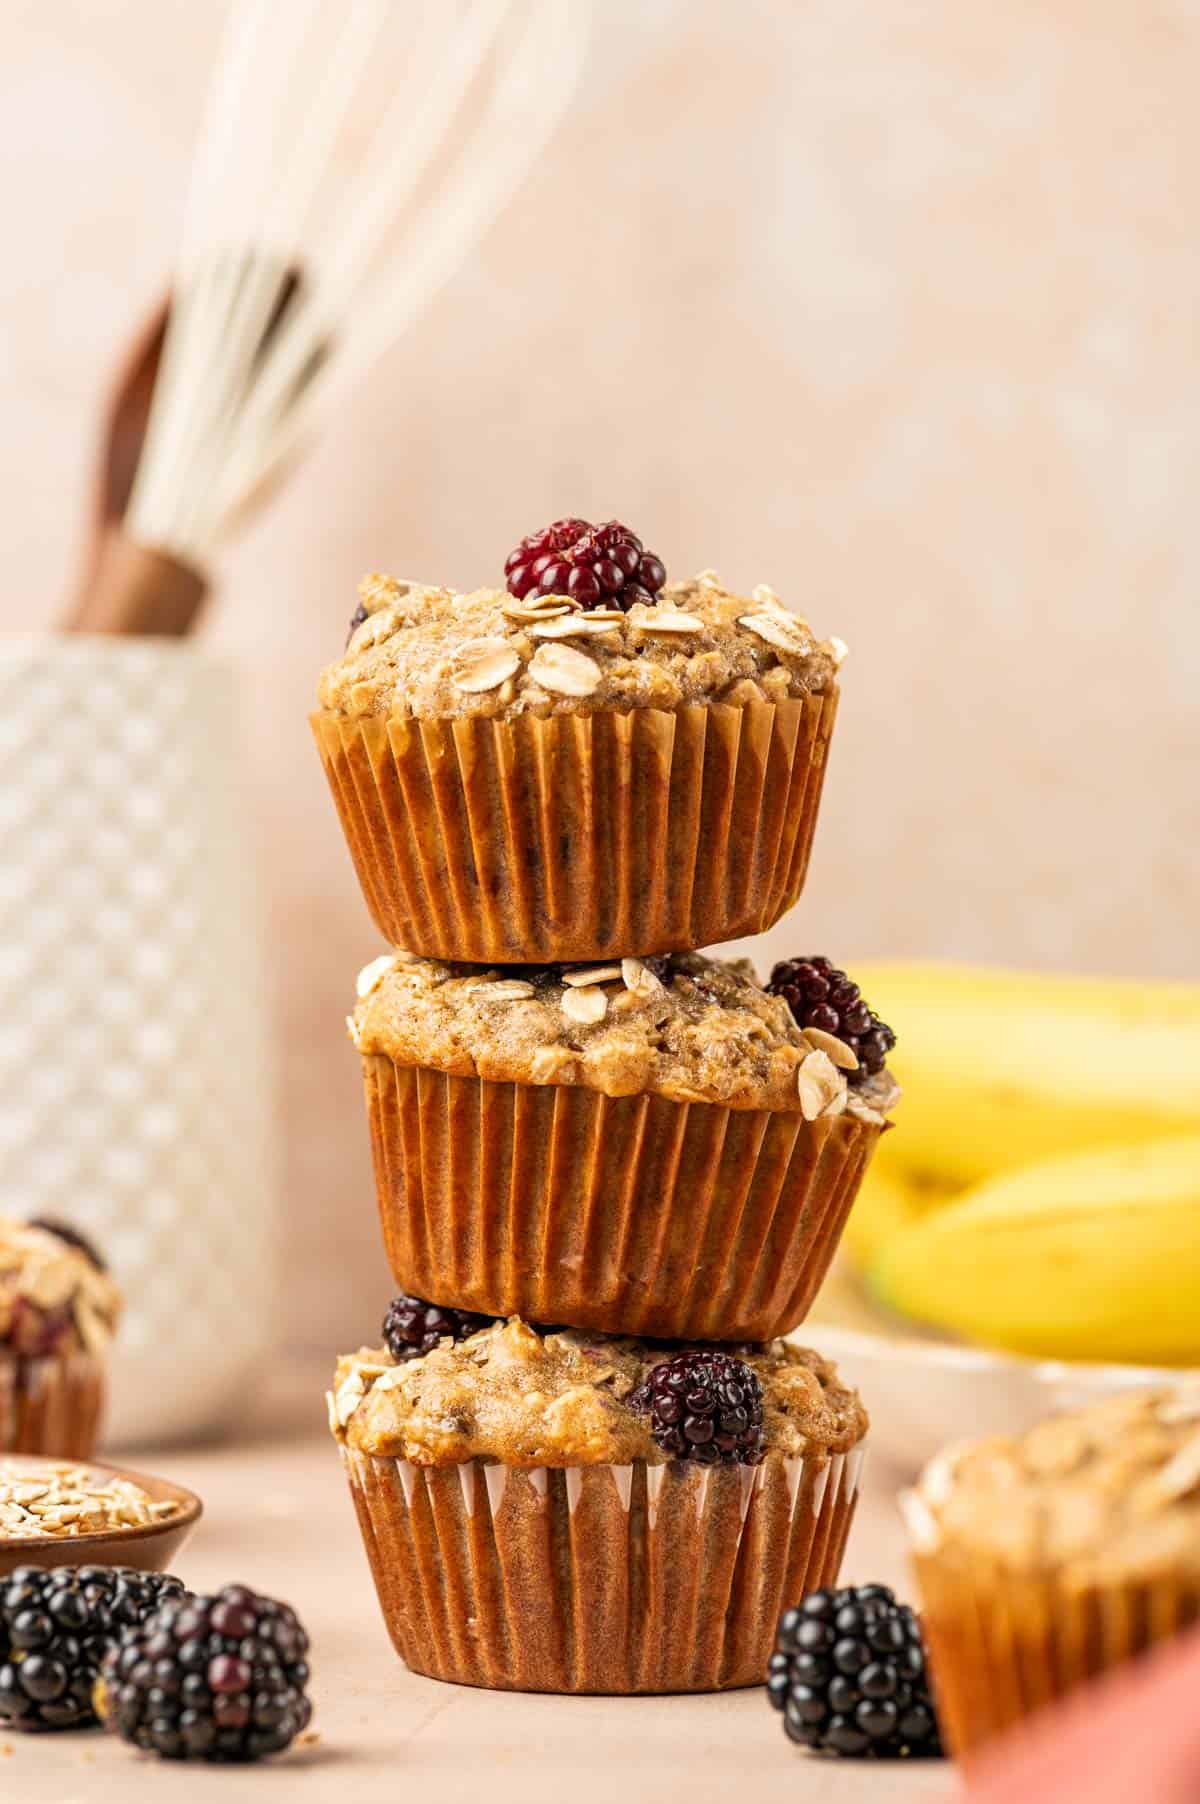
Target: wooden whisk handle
133,588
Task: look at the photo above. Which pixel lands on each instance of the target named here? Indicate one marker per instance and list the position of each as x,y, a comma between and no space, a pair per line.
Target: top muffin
429,653
1111,1491
588,762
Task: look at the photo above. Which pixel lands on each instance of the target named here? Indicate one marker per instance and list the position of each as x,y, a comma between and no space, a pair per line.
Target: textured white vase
135,1094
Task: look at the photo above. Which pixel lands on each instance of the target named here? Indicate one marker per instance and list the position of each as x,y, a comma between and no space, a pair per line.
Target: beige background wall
889,302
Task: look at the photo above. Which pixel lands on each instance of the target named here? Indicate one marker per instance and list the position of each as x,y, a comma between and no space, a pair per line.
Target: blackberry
704,1406
356,619
56,1627
850,1677
819,995
412,1327
63,1231
209,1678
597,566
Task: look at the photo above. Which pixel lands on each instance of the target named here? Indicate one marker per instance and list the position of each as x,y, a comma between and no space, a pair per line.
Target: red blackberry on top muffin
597,566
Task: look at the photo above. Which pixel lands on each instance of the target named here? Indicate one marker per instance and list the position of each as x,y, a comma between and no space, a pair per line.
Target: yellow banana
1094,1256
1001,1068
887,1202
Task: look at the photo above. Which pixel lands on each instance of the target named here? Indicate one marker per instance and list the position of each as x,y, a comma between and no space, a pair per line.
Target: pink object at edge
1132,1738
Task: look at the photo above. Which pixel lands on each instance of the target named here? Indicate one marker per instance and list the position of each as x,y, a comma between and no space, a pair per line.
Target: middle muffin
652,1147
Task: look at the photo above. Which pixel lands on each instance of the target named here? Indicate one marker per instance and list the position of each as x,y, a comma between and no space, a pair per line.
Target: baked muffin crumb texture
687,1027
1108,1492
429,653
559,1397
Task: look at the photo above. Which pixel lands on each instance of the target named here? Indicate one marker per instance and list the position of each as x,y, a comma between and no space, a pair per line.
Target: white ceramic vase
135,1096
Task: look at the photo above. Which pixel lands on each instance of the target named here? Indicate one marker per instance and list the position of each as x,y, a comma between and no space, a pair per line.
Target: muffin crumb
561,1397
687,1027
429,653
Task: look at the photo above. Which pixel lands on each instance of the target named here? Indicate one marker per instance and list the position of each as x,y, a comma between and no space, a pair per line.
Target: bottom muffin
58,1309
1045,1560
546,1510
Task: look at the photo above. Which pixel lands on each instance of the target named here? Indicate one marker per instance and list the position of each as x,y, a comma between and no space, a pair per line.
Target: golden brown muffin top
432,654
690,1028
559,1397
47,1285
1107,1492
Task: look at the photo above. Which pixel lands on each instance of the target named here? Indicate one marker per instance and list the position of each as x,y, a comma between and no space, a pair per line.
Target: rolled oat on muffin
544,777
650,1146
58,1311
1045,1559
554,1511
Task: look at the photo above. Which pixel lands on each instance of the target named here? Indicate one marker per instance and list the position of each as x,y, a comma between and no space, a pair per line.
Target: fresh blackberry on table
850,1677
597,566
821,996
55,1629
209,1678
412,1328
704,1406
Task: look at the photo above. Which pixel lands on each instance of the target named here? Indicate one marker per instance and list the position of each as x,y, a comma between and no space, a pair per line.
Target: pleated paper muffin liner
580,836
613,1579
50,1405
1004,1646
628,1215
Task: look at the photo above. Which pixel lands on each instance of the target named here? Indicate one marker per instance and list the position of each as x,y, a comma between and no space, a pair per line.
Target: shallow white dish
924,1394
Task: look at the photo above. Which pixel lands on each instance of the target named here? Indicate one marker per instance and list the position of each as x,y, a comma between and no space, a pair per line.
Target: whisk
350,157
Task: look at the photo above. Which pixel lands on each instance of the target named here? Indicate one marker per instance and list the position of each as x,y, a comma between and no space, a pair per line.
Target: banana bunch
1041,1191
1001,1068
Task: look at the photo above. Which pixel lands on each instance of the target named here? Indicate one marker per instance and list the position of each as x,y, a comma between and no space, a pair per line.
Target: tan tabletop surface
278,1518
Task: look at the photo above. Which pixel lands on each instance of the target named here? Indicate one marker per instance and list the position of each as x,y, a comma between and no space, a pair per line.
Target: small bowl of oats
61,1513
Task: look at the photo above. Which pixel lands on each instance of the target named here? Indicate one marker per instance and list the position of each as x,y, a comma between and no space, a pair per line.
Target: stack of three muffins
611,1172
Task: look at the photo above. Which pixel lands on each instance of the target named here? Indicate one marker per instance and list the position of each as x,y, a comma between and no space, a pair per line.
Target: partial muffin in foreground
531,1526
58,1311
1047,1559
648,1146
538,779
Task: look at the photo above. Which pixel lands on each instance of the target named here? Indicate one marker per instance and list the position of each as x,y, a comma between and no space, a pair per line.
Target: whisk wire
346,281
505,139
276,312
